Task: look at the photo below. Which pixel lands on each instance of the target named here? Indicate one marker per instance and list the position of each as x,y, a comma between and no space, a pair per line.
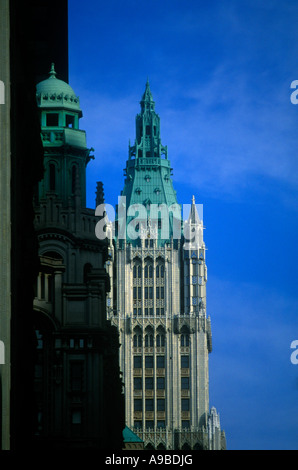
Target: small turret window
148,130
52,119
69,121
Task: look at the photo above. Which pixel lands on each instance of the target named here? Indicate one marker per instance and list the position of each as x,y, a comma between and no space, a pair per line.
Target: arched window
160,340
137,338
52,177
185,340
137,341
148,271
149,340
137,270
160,268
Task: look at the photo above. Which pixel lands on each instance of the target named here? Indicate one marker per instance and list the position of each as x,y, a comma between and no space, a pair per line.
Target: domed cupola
65,148
55,93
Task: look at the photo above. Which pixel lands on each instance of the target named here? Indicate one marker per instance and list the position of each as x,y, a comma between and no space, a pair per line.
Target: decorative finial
52,71
193,200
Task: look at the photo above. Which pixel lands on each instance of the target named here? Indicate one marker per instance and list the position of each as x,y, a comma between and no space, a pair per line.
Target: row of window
160,383
148,293
149,424
148,270
160,362
149,311
149,341
160,404
52,120
160,340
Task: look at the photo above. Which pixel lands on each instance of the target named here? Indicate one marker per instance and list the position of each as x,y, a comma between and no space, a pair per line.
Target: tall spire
194,217
147,102
147,141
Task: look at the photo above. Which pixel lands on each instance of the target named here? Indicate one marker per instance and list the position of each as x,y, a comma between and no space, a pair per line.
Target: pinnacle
52,71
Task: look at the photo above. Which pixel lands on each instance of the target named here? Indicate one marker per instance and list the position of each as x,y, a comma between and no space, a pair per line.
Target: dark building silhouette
60,379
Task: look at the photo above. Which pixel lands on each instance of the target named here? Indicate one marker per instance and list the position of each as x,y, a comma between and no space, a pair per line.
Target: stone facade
159,304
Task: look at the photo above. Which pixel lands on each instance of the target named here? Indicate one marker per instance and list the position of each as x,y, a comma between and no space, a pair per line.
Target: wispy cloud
252,331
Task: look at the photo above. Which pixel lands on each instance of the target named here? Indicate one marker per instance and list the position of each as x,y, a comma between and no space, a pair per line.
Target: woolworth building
158,269
105,336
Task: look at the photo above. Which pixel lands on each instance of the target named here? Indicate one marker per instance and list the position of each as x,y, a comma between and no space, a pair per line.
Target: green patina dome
53,92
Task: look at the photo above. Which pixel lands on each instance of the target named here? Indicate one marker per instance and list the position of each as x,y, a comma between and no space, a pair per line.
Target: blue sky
220,74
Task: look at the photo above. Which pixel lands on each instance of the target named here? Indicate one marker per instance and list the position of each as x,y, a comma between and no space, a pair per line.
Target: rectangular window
184,383
157,292
52,119
162,292
138,424
184,362
76,417
161,424
148,130
149,424
160,362
149,383
69,120
185,404
161,404
146,312
186,424
146,292
157,312
137,362
139,292
149,404
149,362
137,383
160,383
134,293
137,404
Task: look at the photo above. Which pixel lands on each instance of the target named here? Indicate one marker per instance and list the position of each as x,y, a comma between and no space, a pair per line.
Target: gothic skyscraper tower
159,301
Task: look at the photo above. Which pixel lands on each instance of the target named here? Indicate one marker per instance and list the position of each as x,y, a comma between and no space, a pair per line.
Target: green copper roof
53,92
148,171
130,436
